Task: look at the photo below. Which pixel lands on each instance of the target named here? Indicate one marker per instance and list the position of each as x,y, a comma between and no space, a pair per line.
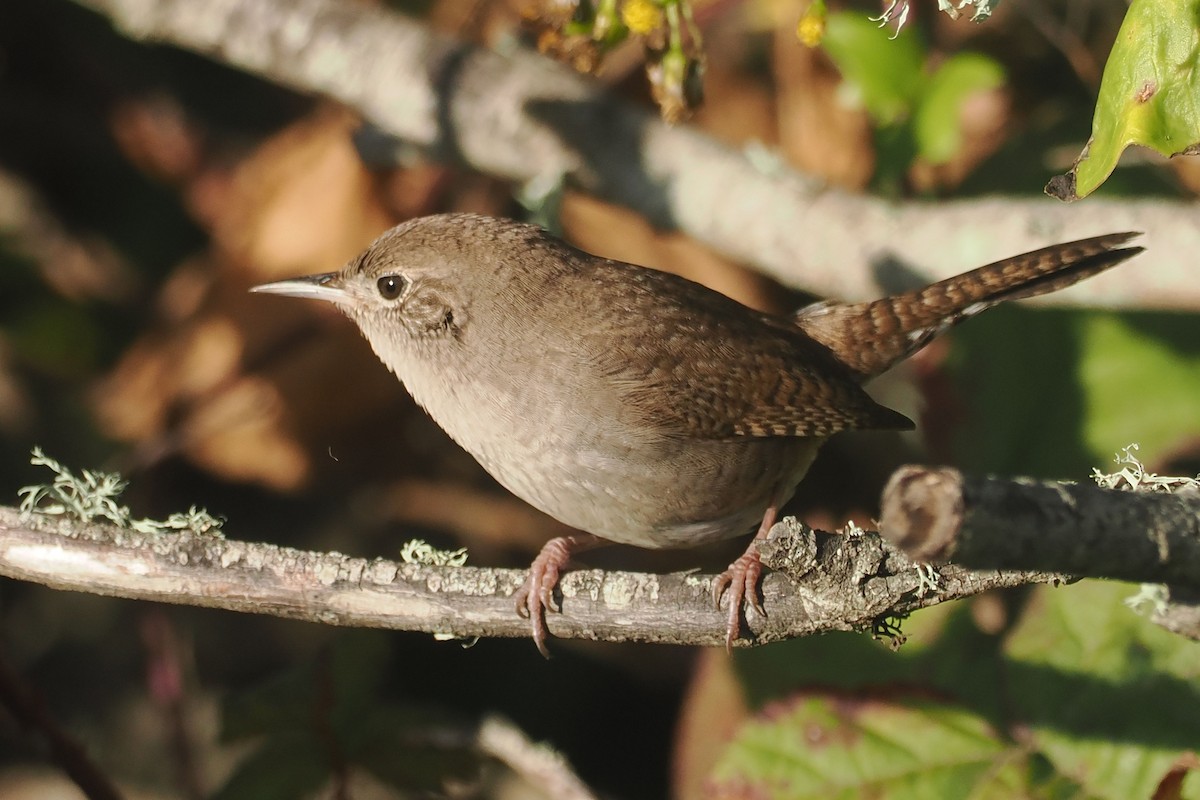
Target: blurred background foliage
143,190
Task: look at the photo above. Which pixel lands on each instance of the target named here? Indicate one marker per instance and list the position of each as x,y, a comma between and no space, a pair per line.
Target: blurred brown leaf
713,710
819,134
301,203
155,134
485,522
738,108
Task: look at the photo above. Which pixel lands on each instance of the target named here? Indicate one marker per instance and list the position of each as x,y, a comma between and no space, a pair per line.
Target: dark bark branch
820,582
992,523
941,515
516,115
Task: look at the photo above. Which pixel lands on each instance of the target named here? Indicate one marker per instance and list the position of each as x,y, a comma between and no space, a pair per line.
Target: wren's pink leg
537,595
741,579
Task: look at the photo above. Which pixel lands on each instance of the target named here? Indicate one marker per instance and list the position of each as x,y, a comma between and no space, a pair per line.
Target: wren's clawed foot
741,579
537,595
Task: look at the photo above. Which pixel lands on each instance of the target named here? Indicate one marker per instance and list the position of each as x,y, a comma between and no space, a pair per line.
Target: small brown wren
632,404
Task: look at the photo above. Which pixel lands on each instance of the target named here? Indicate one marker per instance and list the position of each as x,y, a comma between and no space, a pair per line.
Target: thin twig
165,684
23,702
538,764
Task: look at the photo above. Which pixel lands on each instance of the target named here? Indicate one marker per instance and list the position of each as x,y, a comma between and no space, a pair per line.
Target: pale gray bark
516,115
821,582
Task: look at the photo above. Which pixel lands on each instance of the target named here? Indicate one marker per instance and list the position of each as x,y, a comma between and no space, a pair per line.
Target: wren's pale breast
625,402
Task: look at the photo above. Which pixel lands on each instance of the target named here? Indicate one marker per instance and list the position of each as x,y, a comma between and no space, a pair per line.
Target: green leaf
1020,406
1140,375
57,336
945,652
886,75
1149,95
332,707
282,703
826,747
1052,393
938,118
1109,698
1111,701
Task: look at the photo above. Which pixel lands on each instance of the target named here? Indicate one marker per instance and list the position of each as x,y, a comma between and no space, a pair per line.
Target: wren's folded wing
704,366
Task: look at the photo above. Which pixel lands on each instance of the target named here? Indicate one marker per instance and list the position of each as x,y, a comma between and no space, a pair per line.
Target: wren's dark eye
390,286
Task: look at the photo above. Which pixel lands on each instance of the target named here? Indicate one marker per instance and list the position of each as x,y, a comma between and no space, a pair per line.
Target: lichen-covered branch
517,115
820,582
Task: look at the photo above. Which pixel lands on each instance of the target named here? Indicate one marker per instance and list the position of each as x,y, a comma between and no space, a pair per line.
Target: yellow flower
641,16
811,29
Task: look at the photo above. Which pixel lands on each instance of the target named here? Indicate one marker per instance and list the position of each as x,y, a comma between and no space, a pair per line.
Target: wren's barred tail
871,337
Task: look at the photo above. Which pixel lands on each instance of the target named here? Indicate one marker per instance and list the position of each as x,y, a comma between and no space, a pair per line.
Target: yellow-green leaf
845,747
886,75
1109,698
937,123
1150,93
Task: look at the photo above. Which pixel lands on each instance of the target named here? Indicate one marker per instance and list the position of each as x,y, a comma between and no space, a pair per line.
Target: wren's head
409,292
469,312
444,287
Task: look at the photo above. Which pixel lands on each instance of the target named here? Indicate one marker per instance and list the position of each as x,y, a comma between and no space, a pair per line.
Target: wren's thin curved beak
315,287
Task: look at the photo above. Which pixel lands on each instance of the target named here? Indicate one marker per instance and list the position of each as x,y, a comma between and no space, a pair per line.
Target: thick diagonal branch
516,115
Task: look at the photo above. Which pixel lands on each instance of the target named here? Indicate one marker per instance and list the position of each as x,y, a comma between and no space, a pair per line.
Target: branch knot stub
790,548
922,511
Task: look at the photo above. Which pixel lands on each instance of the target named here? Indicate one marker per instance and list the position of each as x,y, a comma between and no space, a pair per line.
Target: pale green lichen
983,8
195,519
418,551
890,13
852,529
898,11
92,496
1133,476
1152,596
466,642
929,580
888,629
